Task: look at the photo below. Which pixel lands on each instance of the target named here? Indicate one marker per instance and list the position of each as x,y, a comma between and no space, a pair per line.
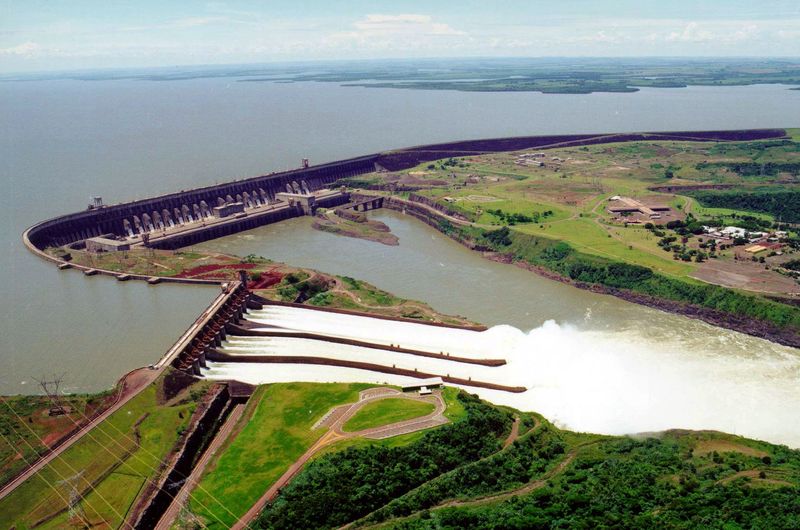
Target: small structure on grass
424,385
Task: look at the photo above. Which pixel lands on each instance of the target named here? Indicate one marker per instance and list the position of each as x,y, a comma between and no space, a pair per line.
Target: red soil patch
206,270
268,279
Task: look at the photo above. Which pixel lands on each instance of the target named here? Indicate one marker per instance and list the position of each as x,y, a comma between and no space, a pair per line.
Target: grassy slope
96,457
386,411
33,411
278,433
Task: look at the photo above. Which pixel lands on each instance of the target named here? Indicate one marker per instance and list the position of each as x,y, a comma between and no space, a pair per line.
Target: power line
152,468
47,482
58,457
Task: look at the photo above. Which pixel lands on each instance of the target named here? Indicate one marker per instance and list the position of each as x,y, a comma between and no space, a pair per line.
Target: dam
191,216
243,341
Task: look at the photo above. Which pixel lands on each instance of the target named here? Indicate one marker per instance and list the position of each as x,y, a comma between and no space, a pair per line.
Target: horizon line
288,62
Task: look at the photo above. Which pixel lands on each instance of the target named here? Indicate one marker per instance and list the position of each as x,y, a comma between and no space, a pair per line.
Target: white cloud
410,24
691,33
26,49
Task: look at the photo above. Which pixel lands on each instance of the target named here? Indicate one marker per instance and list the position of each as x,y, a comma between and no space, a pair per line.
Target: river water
591,362
63,141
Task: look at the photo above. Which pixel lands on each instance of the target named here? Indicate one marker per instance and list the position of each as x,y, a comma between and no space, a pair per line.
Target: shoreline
748,326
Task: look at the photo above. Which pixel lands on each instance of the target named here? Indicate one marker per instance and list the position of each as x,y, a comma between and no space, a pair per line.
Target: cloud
26,49
181,23
388,25
191,22
691,33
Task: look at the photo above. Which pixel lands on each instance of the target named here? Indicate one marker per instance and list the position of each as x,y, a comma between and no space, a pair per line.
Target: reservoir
64,141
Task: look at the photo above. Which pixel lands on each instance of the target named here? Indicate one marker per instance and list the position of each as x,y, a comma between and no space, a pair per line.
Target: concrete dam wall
257,194
252,202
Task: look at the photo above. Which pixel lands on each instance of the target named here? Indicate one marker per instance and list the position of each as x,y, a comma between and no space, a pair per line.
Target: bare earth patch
746,275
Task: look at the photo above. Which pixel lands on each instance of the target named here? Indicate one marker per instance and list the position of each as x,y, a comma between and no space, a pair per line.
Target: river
591,362
63,141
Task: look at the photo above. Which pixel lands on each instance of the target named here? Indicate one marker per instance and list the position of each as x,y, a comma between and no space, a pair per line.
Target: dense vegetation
783,205
341,487
560,257
457,477
754,169
527,458
652,483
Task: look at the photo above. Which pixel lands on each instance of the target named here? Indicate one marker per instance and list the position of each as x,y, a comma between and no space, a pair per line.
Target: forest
344,486
784,205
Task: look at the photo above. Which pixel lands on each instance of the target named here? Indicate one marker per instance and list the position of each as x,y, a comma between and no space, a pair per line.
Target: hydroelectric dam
241,333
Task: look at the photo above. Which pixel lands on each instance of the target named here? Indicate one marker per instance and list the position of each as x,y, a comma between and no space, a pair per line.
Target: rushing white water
587,380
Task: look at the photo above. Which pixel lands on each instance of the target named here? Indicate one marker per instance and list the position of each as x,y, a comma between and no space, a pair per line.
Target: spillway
434,339
597,381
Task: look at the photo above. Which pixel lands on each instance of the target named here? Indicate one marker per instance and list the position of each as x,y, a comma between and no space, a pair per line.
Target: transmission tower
52,389
75,507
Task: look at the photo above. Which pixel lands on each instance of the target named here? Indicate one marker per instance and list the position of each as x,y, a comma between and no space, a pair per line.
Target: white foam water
610,382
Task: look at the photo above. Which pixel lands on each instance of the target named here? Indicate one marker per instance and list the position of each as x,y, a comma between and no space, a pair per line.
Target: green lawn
629,245
106,465
386,411
701,211
277,431
454,411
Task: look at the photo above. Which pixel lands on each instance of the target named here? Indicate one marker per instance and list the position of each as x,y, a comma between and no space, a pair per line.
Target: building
106,244
424,385
626,205
228,209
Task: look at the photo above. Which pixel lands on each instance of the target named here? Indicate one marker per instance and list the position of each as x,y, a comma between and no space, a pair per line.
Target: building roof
430,382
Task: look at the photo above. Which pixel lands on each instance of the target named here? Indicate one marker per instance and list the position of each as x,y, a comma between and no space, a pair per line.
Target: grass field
27,421
576,183
386,411
108,466
276,431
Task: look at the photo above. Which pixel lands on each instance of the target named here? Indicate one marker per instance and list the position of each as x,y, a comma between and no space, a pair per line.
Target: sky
41,35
